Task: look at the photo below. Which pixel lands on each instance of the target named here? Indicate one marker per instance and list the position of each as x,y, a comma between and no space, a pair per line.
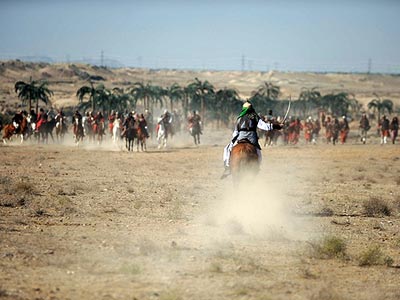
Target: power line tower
243,62
102,59
369,65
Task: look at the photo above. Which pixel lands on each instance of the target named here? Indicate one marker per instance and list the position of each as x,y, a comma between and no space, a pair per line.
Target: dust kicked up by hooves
256,207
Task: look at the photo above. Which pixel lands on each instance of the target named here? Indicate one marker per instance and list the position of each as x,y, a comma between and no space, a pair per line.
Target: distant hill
65,79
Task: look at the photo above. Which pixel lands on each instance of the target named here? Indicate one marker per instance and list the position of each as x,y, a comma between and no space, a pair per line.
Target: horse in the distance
162,134
78,131
116,130
130,135
61,129
45,130
8,132
243,161
195,131
21,129
141,138
98,129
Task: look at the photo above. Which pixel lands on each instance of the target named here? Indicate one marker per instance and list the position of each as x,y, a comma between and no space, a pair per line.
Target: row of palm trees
219,105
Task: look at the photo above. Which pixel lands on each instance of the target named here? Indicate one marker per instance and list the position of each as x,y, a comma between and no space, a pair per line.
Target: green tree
202,93
146,92
33,91
175,93
380,105
339,104
227,103
97,96
269,90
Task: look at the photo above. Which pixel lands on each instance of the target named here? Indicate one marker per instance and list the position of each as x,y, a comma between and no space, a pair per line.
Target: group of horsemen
91,124
336,130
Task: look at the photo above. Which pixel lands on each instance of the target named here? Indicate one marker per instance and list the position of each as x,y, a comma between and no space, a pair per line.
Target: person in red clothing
308,130
394,128
384,126
111,119
42,119
344,129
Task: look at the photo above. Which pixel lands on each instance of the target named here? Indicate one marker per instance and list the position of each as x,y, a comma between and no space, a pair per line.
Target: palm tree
381,105
141,91
26,91
93,93
310,99
120,100
201,92
31,91
227,102
269,90
175,93
338,104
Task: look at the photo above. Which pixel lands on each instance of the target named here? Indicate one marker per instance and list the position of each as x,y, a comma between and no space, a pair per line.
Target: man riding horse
78,126
194,125
246,131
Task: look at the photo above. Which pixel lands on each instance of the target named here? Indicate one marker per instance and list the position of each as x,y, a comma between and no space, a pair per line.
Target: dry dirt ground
99,223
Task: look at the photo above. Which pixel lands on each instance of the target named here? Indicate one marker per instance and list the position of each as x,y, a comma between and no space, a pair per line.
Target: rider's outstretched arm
268,126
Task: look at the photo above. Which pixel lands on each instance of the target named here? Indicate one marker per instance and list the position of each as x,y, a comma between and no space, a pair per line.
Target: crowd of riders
83,123
322,129
326,129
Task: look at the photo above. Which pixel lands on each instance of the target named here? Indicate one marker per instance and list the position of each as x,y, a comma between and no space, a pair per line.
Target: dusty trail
98,223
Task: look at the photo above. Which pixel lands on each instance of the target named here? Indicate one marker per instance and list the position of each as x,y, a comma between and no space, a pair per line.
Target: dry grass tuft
215,267
376,207
374,256
329,247
326,212
327,294
25,188
307,274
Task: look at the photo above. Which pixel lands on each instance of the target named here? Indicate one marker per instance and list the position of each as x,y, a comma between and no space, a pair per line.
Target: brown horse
243,160
21,129
9,130
141,138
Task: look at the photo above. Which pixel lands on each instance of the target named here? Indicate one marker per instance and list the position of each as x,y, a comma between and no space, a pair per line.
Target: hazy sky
254,35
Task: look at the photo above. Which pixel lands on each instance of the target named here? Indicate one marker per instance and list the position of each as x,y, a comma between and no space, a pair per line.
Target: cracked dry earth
98,223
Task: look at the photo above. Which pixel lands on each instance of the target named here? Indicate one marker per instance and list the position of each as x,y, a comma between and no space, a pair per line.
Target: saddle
243,141
247,141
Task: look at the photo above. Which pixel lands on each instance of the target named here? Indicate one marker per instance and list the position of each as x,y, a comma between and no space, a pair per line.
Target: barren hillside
65,79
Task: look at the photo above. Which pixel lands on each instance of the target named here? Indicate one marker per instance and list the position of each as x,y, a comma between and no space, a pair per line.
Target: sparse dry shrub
327,293
360,169
329,247
359,177
215,267
371,180
374,256
5,180
25,188
376,207
308,274
326,212
397,180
